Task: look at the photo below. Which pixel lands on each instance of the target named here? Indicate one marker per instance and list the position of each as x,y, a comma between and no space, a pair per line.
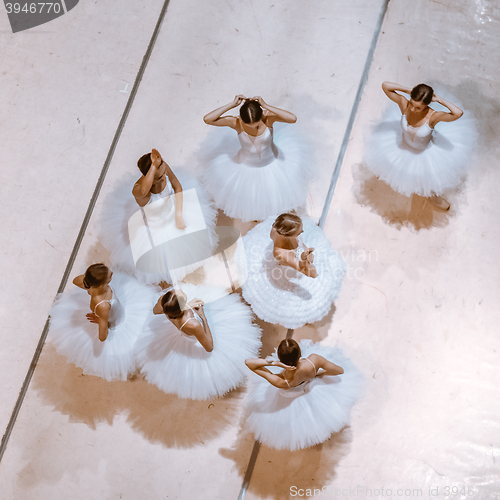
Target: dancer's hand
199,310
273,362
436,98
307,267
196,303
179,222
93,318
164,285
307,255
259,100
156,158
285,367
238,99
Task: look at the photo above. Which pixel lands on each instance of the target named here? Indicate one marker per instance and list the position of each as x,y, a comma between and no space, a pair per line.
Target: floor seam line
84,225
352,116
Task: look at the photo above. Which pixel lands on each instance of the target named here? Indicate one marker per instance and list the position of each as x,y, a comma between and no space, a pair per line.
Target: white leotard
154,207
257,151
417,137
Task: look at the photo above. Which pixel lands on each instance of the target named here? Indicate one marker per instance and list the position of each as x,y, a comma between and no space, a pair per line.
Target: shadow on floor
272,335
277,471
317,331
398,210
159,417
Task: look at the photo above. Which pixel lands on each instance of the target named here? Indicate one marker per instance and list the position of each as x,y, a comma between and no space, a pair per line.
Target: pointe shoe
440,202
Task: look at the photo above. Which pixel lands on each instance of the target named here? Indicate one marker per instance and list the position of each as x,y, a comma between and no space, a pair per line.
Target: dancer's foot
439,202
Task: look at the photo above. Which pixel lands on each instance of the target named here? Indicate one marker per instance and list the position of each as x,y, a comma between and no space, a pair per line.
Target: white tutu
78,339
178,364
119,206
279,294
250,186
309,413
442,165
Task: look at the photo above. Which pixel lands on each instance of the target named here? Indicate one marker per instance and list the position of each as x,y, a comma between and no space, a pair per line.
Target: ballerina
289,249
156,174
292,280
300,401
171,233
196,342
120,310
265,171
412,157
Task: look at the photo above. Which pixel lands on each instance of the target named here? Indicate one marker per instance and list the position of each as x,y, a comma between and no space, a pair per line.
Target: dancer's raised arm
275,114
215,117
258,366
328,367
179,199
443,116
202,333
78,281
391,91
143,186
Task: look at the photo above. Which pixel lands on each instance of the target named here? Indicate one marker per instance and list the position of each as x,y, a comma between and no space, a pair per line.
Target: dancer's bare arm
258,366
328,367
442,116
215,117
275,114
391,91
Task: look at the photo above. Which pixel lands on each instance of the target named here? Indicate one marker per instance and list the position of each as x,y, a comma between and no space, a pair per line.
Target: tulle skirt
180,365
281,295
308,414
119,206
253,193
78,339
442,165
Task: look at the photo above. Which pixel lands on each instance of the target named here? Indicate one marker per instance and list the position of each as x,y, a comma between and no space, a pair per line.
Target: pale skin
97,294
284,252
154,182
416,111
193,328
270,115
295,375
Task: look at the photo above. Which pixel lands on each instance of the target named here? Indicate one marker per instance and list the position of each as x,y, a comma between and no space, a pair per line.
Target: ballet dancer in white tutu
161,229
196,342
102,341
293,273
411,156
256,169
304,394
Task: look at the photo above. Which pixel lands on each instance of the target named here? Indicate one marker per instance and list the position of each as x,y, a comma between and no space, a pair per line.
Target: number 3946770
33,8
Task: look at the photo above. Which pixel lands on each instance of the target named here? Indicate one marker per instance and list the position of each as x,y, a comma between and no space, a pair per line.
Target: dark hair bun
250,111
171,306
422,92
289,352
95,275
